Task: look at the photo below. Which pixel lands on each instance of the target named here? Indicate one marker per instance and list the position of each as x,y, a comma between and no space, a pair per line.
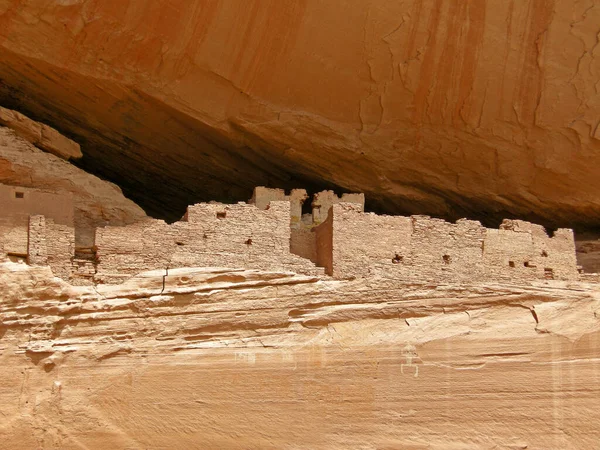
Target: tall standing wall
423,248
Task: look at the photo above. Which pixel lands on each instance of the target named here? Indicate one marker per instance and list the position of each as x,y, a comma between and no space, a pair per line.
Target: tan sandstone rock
40,135
239,359
97,202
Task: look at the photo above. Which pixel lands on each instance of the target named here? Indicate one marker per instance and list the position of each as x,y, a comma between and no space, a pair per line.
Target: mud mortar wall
216,235
420,247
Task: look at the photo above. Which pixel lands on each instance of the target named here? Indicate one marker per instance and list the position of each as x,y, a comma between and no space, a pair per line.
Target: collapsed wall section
214,235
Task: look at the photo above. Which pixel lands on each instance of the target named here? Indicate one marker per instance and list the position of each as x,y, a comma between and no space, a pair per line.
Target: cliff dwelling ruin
299,225
270,232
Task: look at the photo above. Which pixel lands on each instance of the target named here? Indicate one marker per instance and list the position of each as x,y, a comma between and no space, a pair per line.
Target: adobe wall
215,235
423,248
17,204
303,240
51,244
366,244
303,243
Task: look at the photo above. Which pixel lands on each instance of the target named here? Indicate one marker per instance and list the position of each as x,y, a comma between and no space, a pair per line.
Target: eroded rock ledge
251,359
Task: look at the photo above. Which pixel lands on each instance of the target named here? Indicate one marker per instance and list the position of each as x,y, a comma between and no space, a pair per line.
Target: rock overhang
440,130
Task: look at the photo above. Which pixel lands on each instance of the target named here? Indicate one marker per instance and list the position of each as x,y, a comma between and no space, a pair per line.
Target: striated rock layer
233,358
481,109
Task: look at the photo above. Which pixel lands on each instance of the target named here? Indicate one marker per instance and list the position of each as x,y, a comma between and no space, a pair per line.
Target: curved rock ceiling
482,109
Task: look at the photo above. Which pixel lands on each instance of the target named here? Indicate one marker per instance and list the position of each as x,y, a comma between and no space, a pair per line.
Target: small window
19,194
527,264
544,253
249,242
221,215
397,259
447,259
511,264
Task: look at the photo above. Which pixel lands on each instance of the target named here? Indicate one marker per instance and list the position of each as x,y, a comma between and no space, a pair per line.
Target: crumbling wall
423,248
215,235
524,251
323,201
122,252
51,244
263,196
60,245
37,252
443,250
303,239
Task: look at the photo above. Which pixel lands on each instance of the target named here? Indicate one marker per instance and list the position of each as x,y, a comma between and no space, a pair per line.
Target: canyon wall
242,359
479,109
96,202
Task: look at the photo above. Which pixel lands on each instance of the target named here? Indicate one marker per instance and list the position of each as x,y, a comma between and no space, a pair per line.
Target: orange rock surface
456,108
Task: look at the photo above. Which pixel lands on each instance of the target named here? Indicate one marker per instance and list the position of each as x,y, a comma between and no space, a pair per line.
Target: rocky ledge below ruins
234,358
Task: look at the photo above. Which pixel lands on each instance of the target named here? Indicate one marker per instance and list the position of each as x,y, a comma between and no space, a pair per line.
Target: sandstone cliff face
40,135
97,202
453,108
239,359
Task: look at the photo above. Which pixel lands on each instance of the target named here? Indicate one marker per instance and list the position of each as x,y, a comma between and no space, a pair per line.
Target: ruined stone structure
271,233
357,244
37,226
214,235
303,241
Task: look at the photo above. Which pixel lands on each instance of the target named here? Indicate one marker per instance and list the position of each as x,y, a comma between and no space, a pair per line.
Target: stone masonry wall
368,244
443,250
323,201
263,196
422,248
60,244
17,204
303,240
529,253
215,235
37,252
51,244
